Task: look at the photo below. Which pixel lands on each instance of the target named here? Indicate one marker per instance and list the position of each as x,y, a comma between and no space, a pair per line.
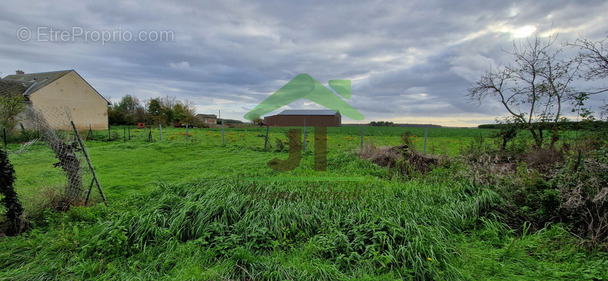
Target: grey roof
308,112
10,87
37,81
206,116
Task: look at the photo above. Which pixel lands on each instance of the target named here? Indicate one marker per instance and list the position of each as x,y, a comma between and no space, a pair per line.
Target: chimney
19,72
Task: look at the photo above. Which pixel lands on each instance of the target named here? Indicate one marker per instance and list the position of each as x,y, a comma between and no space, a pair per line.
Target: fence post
304,134
124,134
266,140
160,129
426,133
223,142
109,129
187,139
4,136
129,133
90,133
362,137
86,156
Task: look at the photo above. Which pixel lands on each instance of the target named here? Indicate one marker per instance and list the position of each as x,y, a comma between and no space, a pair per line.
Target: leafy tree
11,104
533,89
156,110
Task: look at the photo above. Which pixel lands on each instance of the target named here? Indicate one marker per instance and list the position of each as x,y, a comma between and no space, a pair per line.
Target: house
208,119
61,97
298,118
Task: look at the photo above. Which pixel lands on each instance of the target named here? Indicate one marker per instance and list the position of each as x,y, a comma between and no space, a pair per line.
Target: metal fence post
266,140
160,129
362,137
426,133
304,134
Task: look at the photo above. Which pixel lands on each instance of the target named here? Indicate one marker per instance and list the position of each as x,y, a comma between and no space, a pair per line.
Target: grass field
439,140
194,210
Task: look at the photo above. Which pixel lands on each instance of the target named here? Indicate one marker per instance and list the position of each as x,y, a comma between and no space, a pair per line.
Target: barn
60,96
298,118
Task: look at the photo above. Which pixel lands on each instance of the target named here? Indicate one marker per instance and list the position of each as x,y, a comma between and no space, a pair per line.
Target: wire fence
425,140
72,175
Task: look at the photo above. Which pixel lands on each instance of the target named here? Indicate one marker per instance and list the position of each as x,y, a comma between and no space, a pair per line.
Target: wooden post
4,136
160,129
129,132
187,139
90,133
578,162
223,142
124,134
266,139
426,133
109,129
86,156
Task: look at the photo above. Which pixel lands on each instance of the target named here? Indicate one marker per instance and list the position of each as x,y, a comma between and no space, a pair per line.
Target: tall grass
401,230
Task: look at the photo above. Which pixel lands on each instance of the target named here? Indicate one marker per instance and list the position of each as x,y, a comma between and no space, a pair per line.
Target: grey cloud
241,52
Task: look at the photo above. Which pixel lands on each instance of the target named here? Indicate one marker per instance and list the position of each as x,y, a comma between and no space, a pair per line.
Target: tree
593,58
155,108
127,112
168,109
533,88
11,104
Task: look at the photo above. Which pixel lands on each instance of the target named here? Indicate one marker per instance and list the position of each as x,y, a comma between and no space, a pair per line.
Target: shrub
15,221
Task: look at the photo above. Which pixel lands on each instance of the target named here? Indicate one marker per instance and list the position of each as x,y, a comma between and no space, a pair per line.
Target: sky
408,61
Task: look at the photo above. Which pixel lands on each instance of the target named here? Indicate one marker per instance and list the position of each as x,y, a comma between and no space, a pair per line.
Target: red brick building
310,118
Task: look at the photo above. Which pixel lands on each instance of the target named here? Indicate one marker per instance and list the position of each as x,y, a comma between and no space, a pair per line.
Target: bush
541,187
15,221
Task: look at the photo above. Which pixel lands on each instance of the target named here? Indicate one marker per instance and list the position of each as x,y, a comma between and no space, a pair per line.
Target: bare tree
533,88
593,58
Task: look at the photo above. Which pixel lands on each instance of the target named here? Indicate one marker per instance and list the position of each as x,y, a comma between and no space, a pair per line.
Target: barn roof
322,112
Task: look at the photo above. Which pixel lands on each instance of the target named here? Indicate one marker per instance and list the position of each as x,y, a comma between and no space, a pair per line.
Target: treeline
564,125
391,124
165,111
381,124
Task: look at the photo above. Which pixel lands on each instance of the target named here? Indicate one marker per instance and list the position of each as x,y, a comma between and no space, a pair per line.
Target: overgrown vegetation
15,222
483,213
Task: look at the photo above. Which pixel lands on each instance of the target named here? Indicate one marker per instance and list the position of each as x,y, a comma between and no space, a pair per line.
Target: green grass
185,210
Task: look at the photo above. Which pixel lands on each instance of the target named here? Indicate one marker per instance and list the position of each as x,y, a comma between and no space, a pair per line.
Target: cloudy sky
409,61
